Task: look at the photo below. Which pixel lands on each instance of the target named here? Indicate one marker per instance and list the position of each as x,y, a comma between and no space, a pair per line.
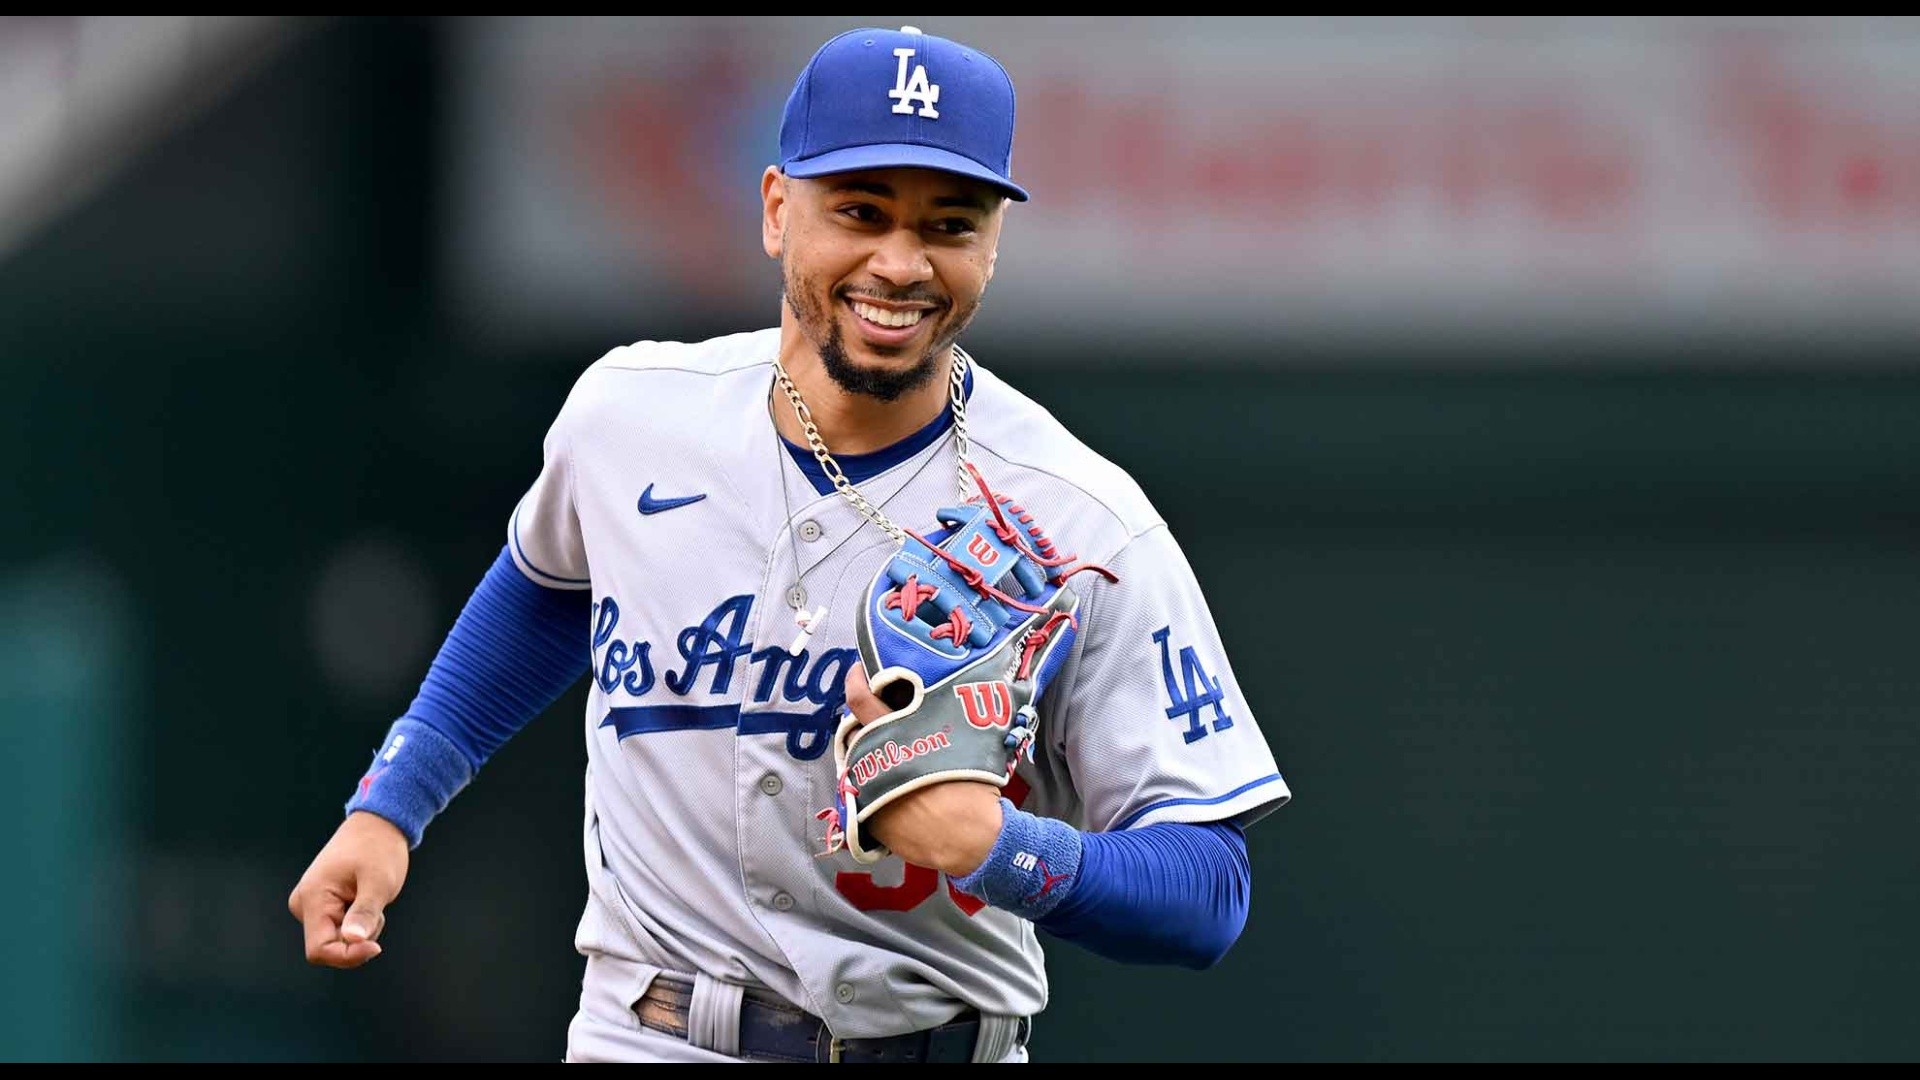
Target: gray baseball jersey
667,491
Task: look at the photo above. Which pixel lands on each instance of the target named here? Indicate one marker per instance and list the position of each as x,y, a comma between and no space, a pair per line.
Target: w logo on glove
988,704
982,551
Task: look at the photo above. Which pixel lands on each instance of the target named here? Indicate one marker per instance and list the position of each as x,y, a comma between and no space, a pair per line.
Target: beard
870,380
884,384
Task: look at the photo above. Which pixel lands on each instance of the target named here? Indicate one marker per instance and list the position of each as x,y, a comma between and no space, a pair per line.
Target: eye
864,213
955,226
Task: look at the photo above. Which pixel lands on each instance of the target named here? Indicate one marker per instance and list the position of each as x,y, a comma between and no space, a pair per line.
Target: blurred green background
1594,681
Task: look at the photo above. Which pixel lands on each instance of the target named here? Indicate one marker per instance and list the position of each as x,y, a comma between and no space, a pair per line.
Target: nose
901,259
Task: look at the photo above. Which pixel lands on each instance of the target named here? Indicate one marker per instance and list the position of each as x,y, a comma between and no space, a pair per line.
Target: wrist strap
414,774
1033,866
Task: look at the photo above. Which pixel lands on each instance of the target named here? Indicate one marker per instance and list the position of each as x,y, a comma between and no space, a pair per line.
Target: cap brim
900,156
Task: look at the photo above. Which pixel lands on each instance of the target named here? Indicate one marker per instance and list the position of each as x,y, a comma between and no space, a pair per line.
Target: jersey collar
861,467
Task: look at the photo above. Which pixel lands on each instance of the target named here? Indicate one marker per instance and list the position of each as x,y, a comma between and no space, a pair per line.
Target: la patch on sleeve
1192,692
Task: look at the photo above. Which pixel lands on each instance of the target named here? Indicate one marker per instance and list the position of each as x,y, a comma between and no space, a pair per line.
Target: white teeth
884,317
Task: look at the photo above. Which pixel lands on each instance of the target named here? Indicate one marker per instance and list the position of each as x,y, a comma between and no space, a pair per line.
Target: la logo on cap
879,98
908,91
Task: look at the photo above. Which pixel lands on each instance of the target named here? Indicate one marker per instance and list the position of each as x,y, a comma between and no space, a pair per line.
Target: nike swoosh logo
651,505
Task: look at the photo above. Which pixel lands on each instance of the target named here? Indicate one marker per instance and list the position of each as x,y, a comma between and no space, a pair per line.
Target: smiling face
881,269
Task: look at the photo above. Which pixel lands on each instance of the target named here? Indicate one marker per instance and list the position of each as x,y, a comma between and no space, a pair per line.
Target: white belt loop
996,1038
713,1016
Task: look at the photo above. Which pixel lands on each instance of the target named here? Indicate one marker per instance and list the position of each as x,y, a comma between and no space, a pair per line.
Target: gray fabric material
713,1019
996,1040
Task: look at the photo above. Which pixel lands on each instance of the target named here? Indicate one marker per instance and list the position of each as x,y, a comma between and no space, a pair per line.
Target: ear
993,259
773,210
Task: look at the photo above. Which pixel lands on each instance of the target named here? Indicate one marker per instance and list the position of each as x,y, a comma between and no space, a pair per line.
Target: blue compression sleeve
514,649
1171,893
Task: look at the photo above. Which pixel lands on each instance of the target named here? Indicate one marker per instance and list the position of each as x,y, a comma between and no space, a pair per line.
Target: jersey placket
823,557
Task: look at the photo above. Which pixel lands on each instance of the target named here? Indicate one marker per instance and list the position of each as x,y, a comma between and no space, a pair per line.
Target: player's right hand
342,898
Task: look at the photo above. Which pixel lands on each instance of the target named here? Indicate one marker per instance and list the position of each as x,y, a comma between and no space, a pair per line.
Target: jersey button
782,902
797,598
843,993
809,531
771,784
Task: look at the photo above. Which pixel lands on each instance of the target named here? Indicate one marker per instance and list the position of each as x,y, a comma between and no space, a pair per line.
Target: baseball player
888,669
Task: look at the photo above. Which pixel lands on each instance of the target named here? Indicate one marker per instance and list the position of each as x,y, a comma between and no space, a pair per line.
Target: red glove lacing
958,625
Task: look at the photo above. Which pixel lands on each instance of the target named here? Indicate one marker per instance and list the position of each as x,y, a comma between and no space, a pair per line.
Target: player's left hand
949,827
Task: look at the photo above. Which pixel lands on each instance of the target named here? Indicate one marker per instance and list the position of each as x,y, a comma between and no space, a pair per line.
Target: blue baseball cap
883,99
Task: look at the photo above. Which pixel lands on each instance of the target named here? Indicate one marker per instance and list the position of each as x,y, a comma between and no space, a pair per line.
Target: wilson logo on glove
970,622
880,759
981,550
988,704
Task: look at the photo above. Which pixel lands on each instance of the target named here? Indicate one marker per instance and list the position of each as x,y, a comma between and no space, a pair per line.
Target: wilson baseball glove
961,632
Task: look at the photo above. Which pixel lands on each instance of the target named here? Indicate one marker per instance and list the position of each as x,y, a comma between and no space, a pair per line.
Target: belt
776,1030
